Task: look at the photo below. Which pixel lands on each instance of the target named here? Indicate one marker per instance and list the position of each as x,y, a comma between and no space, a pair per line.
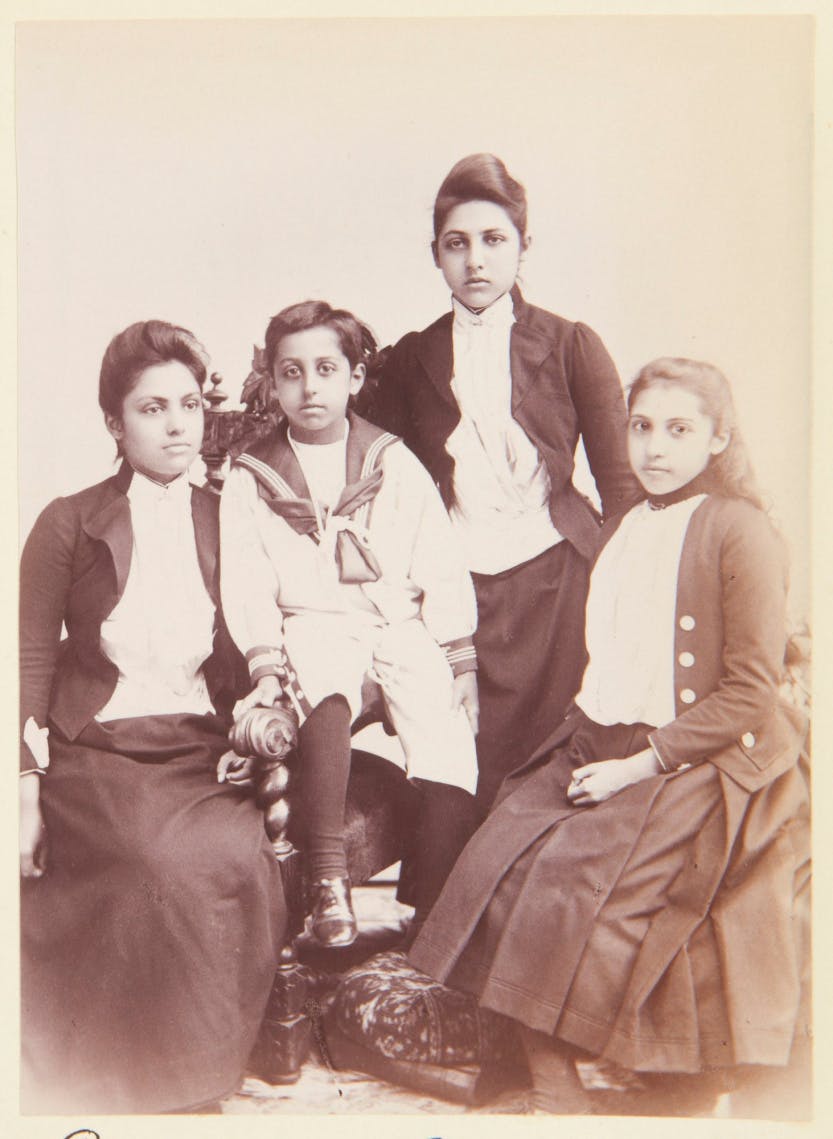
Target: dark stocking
324,754
447,818
556,1087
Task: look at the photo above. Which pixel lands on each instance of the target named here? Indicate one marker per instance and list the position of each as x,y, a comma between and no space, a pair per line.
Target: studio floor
324,1091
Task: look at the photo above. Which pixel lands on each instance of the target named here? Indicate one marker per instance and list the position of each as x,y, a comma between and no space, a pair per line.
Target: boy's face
313,382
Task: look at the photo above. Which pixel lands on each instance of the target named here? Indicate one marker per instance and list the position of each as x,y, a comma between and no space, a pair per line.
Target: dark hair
730,470
480,178
356,340
143,345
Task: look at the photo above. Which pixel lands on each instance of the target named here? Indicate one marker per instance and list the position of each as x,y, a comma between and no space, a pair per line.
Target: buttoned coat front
729,649
729,641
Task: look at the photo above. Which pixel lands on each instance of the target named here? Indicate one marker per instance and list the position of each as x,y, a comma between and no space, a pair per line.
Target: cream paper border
418,1127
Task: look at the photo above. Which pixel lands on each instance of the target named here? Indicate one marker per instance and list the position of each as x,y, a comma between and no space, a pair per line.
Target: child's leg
323,771
439,752
447,818
556,1087
329,663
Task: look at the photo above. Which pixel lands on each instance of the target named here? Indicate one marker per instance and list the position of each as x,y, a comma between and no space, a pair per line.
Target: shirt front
271,572
162,628
630,622
501,484
324,466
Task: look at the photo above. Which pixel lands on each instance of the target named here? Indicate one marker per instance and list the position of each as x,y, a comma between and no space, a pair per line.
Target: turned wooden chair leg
286,1032
268,735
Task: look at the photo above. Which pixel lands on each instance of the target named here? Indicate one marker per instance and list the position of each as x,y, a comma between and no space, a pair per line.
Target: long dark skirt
530,657
149,946
661,929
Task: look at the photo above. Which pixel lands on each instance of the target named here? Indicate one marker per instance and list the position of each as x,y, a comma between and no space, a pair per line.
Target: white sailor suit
372,584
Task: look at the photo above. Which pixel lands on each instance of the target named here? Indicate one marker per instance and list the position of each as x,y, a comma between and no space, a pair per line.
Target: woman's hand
596,782
32,830
236,769
265,694
464,695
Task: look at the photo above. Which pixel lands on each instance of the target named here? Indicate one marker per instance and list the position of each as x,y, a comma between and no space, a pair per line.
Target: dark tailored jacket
73,572
730,637
564,384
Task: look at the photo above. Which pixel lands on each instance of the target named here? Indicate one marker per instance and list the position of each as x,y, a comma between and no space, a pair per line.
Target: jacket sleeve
46,570
753,585
600,406
248,579
386,403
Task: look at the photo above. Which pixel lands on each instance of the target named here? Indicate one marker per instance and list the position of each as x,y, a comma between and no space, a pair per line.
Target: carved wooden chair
379,796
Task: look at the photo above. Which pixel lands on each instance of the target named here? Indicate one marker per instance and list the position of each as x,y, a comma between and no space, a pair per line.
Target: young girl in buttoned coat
638,893
492,398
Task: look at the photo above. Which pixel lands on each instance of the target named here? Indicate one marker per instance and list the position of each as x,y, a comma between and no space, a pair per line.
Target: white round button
747,739
686,659
687,696
687,622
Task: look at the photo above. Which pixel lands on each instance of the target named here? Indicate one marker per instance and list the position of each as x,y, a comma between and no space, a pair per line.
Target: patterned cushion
388,1006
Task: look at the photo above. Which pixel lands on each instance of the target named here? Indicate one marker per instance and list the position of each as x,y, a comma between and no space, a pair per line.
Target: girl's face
670,440
313,382
161,425
479,252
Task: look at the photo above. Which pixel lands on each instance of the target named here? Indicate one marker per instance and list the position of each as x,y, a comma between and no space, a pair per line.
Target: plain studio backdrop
211,172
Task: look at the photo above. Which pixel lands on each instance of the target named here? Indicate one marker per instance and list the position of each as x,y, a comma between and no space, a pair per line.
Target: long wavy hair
730,471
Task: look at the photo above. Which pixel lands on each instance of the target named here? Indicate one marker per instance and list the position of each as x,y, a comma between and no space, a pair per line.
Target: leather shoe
333,920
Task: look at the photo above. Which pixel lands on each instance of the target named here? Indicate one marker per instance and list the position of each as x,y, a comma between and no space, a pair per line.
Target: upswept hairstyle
144,345
730,470
356,340
480,178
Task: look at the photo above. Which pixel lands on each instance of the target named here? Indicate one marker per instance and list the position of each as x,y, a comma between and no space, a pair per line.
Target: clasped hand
597,781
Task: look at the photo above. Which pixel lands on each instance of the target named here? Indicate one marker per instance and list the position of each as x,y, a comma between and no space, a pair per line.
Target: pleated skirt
664,929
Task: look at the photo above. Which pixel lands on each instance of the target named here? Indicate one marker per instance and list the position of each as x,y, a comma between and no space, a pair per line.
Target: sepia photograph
414,536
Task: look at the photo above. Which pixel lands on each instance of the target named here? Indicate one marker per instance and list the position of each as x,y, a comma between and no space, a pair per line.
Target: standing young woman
493,398
152,909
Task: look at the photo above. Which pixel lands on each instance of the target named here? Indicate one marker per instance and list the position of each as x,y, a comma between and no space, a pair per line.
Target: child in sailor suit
339,563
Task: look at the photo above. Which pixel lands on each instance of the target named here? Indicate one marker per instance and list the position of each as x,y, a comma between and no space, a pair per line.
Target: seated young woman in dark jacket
152,909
